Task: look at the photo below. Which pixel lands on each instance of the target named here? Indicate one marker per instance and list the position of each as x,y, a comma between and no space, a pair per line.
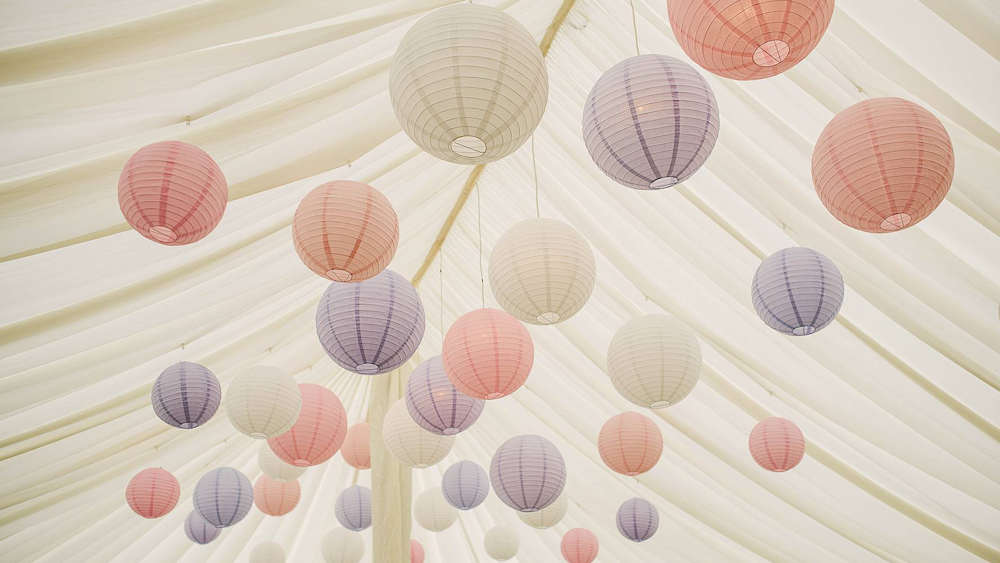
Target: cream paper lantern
654,361
263,402
542,271
501,543
548,516
272,466
433,512
342,546
267,552
468,84
410,444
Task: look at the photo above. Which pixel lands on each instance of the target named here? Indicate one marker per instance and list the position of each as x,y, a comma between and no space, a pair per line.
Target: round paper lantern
152,492
542,271
435,404
223,497
487,354
630,443
777,444
501,543
654,361
275,498
410,444
373,326
579,545
465,485
650,122
637,519
186,395
546,517
198,530
263,402
318,432
433,512
357,448
272,466
528,473
342,546
345,231
354,508
797,291
883,165
267,552
172,193
416,552
468,84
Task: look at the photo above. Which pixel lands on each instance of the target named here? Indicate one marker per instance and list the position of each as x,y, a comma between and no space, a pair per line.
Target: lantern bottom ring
494,395
468,146
548,318
664,182
771,53
188,425
895,222
301,463
803,330
339,275
161,233
529,510
258,435
451,431
659,404
366,369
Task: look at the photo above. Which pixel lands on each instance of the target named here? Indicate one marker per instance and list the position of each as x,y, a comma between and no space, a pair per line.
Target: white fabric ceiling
899,399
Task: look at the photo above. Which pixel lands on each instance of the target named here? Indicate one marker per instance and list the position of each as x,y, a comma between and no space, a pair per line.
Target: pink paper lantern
630,443
153,492
318,432
487,354
357,448
276,498
416,552
777,444
579,545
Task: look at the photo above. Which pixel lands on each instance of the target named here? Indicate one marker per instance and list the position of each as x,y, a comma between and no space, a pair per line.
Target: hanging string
479,207
441,288
635,28
534,169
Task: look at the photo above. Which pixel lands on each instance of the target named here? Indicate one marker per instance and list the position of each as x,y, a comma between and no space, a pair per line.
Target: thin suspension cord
441,288
534,169
479,208
635,28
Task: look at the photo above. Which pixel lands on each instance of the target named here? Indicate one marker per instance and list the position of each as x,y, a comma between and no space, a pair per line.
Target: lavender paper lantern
528,473
354,508
198,530
637,519
797,291
465,485
437,405
186,395
372,326
223,497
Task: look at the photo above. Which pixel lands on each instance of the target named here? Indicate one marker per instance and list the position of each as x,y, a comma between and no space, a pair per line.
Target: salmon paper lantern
501,543
275,498
410,444
654,361
354,508
342,546
797,291
528,473
198,530
579,545
152,492
267,552
357,448
223,497
637,519
186,395
273,466
883,165
172,193
435,404
318,432
263,402
433,512
548,516
416,552
630,443
487,354
465,485
749,39
777,444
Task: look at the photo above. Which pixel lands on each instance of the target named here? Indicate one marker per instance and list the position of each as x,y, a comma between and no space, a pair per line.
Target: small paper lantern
357,447
548,516
373,326
579,545
777,444
267,552
542,271
630,443
435,404
152,492
345,231
223,497
275,498
528,473
487,354
468,84
272,465
883,165
501,543
317,433
263,402
654,361
650,122
797,291
198,530
637,519
186,395
416,552
433,512
410,444
465,485
342,546
354,508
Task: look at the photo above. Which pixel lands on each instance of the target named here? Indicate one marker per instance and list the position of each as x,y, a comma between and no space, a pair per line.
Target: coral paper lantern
273,466
749,39
186,395
528,473
410,444
433,512
487,354
198,530
501,543
465,485
357,447
637,519
318,432
777,444
342,546
797,291
223,497
267,552
275,498
172,193
883,165
354,508
435,404
579,545
548,516
263,402
630,443
416,552
152,492
654,361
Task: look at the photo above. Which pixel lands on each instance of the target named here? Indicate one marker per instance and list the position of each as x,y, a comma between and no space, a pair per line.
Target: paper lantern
223,497
416,552
637,519
354,508
345,231
528,473
276,469
318,432
501,543
433,512
487,354
883,165
777,444
186,395
275,498
650,122
263,402
410,444
435,404
797,291
373,326
267,552
542,271
630,443
342,546
198,530
152,492
579,545
468,84
548,516
465,485
357,448
654,361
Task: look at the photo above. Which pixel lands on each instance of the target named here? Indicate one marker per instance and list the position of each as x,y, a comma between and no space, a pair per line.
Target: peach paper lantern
579,545
275,498
357,449
317,433
153,492
416,552
630,443
777,444
487,354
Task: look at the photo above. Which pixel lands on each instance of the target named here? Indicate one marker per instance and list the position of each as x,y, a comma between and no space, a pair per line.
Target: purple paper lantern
528,473
186,395
637,519
223,497
437,405
372,326
354,507
797,291
198,530
465,485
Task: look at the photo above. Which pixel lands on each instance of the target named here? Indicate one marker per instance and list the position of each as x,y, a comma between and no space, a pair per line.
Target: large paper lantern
435,404
267,552
883,165
317,433
373,326
548,516
416,552
272,465
501,543
433,512
354,508
654,361
579,545
487,354
777,444
263,402
468,84
152,492
342,546
542,271
410,444
223,497
630,443
186,395
275,498
198,530
637,519
345,231
650,122
357,446
797,291
465,485
528,473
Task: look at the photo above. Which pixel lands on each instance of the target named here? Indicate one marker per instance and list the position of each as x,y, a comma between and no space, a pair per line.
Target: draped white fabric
899,399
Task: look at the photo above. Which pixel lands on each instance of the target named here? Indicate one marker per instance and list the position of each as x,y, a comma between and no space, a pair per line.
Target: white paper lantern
263,402
342,546
410,444
654,361
267,552
272,466
433,512
548,516
501,543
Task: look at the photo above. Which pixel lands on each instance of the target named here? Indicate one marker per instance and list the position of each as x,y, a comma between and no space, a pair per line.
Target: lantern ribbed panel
345,231
272,465
263,402
354,508
223,497
487,354
630,443
152,492
186,395
318,432
435,404
410,444
267,552
650,122
749,39
172,193
654,361
357,447
777,444
637,519
528,473
198,530
548,516
542,271
465,485
373,326
433,512
275,498
342,546
501,543
797,291
416,552
883,165
468,84
579,545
